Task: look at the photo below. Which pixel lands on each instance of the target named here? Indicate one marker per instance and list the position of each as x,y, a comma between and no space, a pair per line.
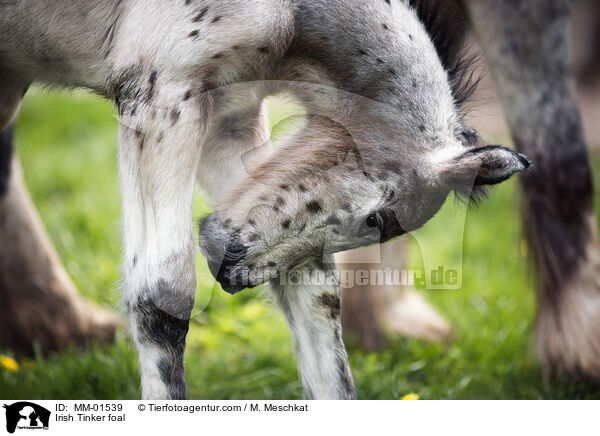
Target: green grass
238,347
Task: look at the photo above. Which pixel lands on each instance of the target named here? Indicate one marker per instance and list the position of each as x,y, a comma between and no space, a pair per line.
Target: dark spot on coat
139,135
346,207
187,95
217,56
332,220
175,114
200,16
276,208
385,26
286,224
302,188
263,49
160,137
251,222
152,84
379,60
285,187
193,33
331,302
253,237
313,206
216,19
124,88
392,71
421,128
362,52
271,264
280,201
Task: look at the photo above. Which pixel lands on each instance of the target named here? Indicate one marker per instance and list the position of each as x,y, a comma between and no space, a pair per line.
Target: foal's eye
370,224
372,221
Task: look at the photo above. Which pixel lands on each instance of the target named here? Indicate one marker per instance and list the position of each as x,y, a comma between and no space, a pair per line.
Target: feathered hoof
567,331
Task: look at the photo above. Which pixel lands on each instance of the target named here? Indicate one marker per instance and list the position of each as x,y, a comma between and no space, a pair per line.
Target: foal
383,147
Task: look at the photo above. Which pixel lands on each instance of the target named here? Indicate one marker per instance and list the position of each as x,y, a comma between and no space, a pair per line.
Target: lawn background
238,347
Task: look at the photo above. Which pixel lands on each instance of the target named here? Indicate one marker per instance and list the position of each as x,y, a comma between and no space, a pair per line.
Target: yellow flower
8,363
410,396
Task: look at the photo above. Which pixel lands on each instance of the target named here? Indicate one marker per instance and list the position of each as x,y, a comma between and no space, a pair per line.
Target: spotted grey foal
374,161
382,146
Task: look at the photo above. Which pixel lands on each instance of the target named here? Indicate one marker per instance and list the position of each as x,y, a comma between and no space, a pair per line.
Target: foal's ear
478,166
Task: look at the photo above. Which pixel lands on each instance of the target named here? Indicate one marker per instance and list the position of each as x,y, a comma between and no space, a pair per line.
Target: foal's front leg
159,147
311,306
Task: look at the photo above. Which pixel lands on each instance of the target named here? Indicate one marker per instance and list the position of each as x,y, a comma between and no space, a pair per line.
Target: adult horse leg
528,49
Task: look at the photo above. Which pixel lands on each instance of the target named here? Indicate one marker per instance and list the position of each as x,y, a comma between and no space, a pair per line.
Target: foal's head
323,193
360,171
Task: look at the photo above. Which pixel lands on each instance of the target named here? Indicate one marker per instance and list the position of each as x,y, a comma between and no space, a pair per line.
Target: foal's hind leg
237,139
311,306
528,47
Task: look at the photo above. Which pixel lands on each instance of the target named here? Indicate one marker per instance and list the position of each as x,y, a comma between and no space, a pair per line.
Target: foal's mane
447,23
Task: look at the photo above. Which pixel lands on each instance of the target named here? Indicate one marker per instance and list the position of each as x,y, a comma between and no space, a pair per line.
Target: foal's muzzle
224,252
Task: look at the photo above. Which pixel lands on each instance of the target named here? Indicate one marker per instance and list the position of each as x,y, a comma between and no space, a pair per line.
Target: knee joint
157,326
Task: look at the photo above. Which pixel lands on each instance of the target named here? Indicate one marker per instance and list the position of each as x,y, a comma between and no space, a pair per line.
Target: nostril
235,248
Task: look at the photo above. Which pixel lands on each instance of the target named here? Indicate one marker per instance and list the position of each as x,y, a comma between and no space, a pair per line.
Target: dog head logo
26,415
